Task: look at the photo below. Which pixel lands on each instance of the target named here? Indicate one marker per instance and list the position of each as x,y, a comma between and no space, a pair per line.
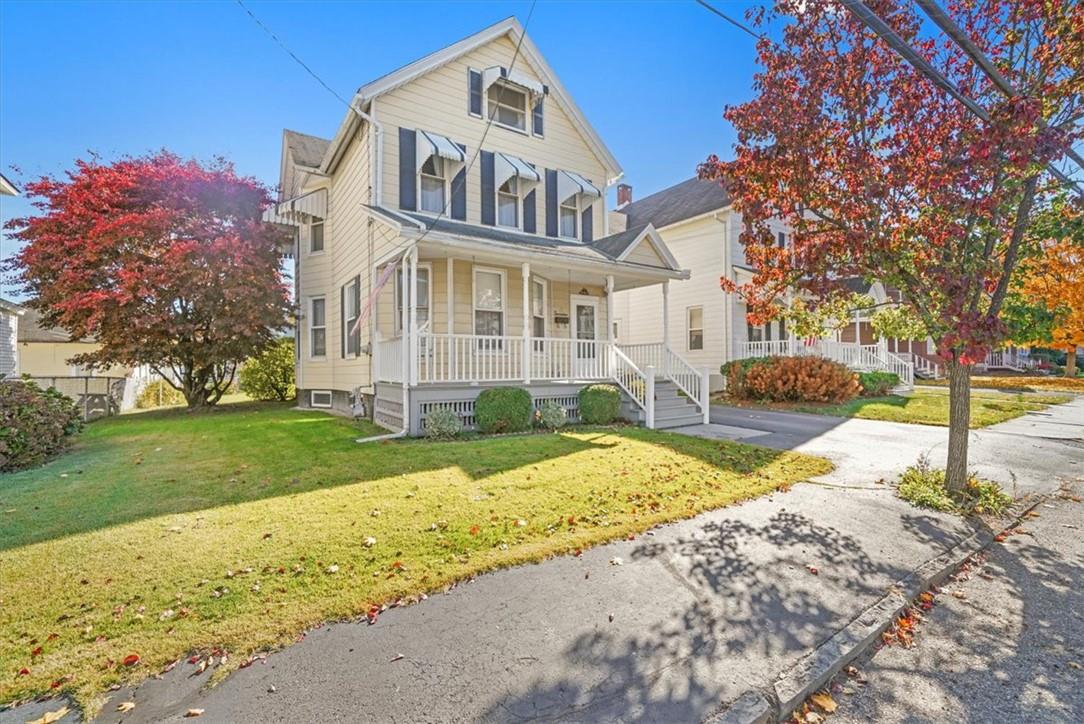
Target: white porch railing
864,358
389,356
669,364
1009,359
923,366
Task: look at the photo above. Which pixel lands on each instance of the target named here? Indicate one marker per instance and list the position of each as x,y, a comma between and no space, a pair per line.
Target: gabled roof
31,330
686,200
307,150
528,52
11,307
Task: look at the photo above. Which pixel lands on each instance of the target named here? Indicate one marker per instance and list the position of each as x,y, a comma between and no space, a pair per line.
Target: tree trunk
1070,362
959,423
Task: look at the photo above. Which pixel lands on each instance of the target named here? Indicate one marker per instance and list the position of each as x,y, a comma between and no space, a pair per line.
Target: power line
736,23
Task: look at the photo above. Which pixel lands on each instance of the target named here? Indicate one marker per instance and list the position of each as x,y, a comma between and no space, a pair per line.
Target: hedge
34,424
877,384
599,404
503,409
790,379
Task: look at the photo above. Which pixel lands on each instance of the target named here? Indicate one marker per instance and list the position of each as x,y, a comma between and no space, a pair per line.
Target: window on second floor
507,106
431,185
568,214
316,238
508,203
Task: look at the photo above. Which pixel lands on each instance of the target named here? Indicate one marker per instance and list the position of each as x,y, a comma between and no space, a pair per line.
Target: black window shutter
537,121
459,191
588,224
474,92
357,310
489,193
342,321
408,165
551,202
529,221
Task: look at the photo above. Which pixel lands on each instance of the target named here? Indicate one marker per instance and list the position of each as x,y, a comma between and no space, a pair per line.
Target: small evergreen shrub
270,374
599,404
443,424
503,409
877,384
34,424
791,379
550,416
923,486
159,393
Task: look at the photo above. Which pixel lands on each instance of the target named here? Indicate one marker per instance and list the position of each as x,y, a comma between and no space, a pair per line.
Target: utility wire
736,23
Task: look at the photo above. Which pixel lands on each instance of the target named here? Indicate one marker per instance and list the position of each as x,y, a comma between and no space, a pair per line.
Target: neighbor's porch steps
672,407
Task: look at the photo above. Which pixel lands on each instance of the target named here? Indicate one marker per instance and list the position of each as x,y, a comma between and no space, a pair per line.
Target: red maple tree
164,262
883,175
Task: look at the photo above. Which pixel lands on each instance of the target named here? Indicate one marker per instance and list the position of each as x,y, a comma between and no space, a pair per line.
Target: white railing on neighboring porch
1009,359
865,358
923,366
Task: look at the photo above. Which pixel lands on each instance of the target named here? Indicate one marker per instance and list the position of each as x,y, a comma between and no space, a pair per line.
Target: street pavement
1004,645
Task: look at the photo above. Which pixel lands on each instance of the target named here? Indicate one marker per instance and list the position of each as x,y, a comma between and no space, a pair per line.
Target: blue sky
202,79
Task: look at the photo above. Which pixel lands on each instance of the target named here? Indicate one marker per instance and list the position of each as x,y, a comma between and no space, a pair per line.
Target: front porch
448,326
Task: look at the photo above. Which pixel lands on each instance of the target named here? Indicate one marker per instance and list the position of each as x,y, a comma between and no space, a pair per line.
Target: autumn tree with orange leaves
882,175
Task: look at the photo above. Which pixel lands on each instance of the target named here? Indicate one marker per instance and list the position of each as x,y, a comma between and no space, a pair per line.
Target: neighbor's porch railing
865,358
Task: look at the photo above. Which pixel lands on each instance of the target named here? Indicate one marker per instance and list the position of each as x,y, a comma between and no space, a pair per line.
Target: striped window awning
506,167
497,72
434,144
570,184
304,209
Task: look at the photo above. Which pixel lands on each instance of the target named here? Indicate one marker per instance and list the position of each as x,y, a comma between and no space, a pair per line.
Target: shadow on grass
135,467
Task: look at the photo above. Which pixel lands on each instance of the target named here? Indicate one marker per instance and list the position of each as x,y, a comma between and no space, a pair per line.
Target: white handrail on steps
630,378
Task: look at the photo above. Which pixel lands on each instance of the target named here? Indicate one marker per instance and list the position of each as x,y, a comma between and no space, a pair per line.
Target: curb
814,670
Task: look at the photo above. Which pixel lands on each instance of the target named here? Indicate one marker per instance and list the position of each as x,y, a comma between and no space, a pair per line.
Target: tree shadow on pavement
754,607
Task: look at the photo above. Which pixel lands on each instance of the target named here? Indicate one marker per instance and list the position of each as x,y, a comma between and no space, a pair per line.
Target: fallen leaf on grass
813,570
1075,665
193,713
125,706
824,700
616,561
130,660
50,717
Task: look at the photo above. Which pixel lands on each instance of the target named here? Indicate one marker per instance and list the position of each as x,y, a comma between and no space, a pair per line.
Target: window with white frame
316,238
507,106
569,216
351,299
488,303
617,330
781,239
317,327
424,297
432,183
508,203
538,310
694,321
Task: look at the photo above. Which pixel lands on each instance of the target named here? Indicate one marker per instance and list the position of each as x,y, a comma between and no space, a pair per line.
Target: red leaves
130,660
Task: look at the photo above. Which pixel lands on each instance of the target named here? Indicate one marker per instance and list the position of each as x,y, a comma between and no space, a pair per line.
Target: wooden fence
96,396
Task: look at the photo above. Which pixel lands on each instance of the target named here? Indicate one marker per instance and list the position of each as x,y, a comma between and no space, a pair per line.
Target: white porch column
610,355
453,348
666,313
404,320
525,275
414,347
649,397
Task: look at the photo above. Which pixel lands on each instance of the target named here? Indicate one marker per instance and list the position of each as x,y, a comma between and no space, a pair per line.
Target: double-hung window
507,106
317,327
316,238
538,311
432,183
568,216
351,299
695,328
488,306
508,203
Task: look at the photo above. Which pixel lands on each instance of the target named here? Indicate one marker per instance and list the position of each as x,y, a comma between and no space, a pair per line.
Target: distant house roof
11,307
307,150
682,201
31,330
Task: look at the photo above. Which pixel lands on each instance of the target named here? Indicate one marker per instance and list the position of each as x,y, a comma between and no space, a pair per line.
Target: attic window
508,106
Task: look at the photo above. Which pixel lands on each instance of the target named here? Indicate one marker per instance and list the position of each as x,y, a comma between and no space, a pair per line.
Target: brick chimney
624,195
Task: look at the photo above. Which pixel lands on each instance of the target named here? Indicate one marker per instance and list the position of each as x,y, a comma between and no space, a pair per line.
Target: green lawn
930,407
166,533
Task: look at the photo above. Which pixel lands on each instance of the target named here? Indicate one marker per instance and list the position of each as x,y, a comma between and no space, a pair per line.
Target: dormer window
432,183
508,106
508,203
570,211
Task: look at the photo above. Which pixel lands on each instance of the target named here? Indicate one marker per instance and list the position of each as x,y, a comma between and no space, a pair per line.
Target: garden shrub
270,374
599,404
791,379
923,486
159,393
550,416
443,423
503,409
34,424
877,384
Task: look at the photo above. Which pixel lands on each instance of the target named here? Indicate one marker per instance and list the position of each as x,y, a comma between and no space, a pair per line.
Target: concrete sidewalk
695,615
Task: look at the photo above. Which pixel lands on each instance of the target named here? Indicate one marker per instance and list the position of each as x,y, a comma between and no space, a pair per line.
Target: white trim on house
657,244
530,54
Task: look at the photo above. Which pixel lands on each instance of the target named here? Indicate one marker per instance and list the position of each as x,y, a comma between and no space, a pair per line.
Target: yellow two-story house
453,235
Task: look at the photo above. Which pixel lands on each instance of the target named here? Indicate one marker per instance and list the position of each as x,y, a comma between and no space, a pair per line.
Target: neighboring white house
469,266
9,332
708,326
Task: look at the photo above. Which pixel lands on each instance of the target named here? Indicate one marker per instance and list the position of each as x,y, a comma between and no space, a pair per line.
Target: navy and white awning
497,72
506,167
303,209
570,184
433,144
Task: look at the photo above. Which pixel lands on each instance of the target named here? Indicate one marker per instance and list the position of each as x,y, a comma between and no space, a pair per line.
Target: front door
586,355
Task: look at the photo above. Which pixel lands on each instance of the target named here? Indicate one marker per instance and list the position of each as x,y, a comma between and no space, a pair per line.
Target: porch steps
672,408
